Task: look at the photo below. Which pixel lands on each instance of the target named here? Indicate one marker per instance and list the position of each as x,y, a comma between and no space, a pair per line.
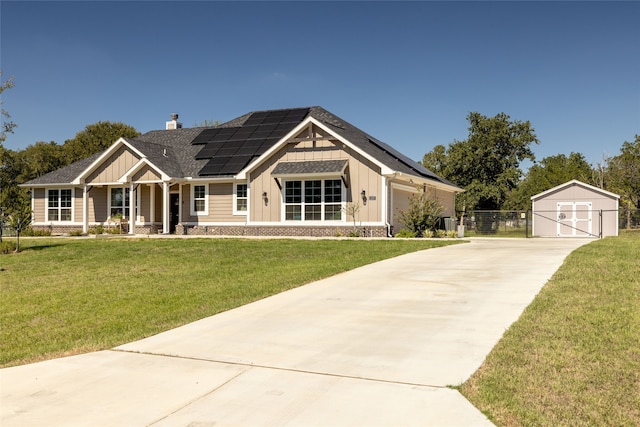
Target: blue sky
408,73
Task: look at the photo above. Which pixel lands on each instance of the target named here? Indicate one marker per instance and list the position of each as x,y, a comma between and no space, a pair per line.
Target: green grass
573,357
68,296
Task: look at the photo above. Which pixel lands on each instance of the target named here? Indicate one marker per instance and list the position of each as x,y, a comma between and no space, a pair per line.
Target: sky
408,73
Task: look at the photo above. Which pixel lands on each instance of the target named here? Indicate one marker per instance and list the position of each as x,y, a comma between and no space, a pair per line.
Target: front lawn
573,357
66,296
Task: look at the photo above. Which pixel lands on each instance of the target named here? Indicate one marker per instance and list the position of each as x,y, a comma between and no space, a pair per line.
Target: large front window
313,200
119,206
59,205
241,199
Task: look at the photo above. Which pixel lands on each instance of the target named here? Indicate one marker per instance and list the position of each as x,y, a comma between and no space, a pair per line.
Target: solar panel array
230,149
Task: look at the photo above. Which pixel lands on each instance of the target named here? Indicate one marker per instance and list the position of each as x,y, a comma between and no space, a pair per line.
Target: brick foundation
238,230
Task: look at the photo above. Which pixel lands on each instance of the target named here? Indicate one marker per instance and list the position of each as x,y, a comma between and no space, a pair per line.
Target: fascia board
109,151
419,181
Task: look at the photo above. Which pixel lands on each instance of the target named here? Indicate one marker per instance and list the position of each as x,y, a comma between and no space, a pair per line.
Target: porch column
132,209
152,200
85,209
165,208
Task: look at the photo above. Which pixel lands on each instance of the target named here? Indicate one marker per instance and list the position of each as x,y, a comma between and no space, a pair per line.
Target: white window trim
124,201
322,203
59,208
192,199
235,199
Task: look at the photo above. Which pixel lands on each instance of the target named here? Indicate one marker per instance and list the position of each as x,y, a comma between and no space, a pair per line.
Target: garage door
574,219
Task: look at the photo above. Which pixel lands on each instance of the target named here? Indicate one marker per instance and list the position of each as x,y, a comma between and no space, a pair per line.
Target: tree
7,126
95,138
18,220
487,163
40,158
623,176
548,173
424,213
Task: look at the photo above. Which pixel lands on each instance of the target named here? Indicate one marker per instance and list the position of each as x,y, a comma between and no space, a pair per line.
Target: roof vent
174,123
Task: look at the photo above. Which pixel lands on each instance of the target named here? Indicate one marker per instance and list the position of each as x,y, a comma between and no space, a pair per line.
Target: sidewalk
374,346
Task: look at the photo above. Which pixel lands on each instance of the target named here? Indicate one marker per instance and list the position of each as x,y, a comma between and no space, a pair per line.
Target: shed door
574,219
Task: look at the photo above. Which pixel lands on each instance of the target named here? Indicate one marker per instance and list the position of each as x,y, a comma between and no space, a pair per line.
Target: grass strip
573,357
67,296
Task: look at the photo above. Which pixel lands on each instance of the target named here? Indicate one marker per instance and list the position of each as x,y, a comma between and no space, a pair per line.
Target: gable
574,188
113,167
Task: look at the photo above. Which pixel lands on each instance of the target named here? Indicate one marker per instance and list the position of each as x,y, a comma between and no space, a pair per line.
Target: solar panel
231,148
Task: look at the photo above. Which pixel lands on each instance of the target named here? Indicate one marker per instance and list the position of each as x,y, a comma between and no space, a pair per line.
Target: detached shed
575,209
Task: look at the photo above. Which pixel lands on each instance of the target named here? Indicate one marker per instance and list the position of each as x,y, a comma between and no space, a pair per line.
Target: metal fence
520,223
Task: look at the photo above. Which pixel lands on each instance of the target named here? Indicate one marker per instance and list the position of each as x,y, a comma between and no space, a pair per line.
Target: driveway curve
378,345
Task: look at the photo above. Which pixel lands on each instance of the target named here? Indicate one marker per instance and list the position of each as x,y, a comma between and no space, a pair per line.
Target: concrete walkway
374,346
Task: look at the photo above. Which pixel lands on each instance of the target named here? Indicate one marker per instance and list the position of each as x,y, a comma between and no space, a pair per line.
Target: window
322,200
119,202
240,205
59,205
199,205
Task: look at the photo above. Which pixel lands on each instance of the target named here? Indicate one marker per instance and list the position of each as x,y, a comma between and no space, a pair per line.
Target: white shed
575,209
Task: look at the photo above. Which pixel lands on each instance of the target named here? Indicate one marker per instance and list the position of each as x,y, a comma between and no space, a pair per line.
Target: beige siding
114,167
77,204
98,204
220,203
146,174
39,205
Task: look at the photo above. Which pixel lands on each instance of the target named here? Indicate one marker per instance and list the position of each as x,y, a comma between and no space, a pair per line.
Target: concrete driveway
374,346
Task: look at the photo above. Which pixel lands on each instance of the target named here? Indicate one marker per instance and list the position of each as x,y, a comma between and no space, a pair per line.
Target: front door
174,212
574,219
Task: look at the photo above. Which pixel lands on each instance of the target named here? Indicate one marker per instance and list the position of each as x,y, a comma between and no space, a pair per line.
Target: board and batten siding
361,175
113,168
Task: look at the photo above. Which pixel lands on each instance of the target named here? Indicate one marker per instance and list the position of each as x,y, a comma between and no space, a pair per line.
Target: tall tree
487,163
623,176
40,158
95,138
7,125
548,173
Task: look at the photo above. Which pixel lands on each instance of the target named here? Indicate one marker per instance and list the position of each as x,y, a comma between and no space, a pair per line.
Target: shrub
405,234
441,233
76,233
423,214
7,247
96,229
452,233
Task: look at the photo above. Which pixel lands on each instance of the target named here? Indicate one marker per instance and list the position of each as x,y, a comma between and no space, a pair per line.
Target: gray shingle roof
309,167
173,152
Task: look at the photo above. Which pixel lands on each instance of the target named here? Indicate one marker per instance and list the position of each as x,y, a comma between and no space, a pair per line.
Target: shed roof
575,182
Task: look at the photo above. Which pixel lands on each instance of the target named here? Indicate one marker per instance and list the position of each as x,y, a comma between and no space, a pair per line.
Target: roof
310,167
225,150
575,182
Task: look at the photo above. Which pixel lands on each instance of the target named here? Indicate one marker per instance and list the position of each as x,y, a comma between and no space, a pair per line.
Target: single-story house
278,172
575,209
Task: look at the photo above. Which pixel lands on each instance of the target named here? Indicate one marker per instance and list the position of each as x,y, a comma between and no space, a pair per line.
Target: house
283,172
575,209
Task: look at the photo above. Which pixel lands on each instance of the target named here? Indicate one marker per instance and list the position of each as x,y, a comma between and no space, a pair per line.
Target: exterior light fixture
363,194
265,198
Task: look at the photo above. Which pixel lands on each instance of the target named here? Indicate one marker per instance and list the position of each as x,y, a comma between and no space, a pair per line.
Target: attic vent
174,123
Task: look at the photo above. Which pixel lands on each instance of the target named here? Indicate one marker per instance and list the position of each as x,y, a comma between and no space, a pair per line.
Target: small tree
352,209
424,213
18,220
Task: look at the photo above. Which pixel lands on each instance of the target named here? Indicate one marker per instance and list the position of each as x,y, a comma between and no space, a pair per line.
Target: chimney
174,123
